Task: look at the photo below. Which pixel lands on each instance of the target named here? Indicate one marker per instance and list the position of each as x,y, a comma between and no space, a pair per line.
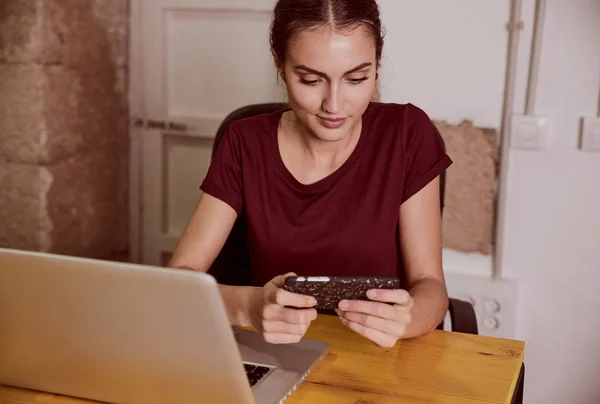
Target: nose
332,100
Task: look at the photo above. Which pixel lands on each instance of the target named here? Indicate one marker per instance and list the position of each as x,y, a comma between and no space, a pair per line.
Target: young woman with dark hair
336,185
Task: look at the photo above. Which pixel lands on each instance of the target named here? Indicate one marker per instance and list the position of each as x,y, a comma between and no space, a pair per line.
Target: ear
276,60
278,64
380,59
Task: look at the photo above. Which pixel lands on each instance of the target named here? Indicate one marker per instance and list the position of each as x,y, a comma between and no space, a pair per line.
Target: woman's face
330,78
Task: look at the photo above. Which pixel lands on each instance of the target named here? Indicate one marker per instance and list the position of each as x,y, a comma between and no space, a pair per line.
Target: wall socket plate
590,134
528,132
494,301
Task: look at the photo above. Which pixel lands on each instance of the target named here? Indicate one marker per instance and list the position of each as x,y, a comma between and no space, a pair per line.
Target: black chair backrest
232,265
245,112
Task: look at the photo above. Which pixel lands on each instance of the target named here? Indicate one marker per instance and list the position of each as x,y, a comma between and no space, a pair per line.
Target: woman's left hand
377,320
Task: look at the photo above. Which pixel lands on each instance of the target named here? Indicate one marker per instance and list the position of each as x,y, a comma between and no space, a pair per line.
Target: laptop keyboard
255,373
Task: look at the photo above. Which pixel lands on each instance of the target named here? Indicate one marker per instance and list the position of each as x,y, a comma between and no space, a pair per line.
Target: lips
331,123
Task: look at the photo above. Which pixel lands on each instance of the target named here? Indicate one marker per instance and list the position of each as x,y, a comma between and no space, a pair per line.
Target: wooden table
440,367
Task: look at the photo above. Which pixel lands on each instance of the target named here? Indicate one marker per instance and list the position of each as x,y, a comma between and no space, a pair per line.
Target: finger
290,316
380,338
275,338
403,314
377,323
396,296
279,327
284,298
376,309
279,281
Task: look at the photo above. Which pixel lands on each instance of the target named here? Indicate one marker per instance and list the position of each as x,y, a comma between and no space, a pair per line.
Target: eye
357,81
310,82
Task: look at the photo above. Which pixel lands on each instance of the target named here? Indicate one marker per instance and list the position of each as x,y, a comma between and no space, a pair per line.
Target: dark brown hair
291,17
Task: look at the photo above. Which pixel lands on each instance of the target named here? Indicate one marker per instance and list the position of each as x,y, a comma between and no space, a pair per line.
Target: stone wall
64,126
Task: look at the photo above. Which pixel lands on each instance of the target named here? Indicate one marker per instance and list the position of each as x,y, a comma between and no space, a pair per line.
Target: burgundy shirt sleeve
423,151
224,177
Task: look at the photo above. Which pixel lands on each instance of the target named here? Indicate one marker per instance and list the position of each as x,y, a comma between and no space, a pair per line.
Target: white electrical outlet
528,132
590,134
494,302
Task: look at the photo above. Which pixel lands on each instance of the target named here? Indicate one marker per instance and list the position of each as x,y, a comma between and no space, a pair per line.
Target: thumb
279,281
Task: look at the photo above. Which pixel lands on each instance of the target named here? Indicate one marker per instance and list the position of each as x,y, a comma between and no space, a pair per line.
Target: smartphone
330,290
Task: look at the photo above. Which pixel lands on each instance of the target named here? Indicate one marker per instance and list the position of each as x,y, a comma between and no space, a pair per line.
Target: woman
337,185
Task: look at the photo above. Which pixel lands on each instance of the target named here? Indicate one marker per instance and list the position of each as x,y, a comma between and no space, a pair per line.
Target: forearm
237,300
430,306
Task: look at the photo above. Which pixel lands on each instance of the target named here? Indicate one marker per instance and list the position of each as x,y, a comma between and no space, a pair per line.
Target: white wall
553,235
449,57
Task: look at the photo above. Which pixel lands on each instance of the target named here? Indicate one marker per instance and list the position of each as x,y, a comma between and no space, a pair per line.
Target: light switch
528,132
590,134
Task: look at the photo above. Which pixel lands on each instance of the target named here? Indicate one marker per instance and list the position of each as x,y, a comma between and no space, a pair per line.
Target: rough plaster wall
64,126
471,187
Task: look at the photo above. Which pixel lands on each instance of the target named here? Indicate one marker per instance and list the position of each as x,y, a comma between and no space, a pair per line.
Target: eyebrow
318,73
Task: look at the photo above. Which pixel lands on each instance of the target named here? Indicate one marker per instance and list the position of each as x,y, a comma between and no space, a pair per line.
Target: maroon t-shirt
344,224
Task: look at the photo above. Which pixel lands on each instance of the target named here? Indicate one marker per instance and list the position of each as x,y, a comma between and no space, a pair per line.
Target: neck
323,152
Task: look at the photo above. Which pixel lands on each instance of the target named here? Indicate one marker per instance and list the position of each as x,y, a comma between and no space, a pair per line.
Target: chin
330,134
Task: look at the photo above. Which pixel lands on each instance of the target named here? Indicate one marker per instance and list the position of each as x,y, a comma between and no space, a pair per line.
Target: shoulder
404,115
404,129
249,138
399,125
247,129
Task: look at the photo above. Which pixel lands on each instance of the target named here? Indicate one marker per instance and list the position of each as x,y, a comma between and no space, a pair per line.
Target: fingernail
371,294
344,305
313,302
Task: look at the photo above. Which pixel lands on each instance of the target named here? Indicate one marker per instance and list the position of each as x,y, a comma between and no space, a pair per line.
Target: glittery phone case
330,290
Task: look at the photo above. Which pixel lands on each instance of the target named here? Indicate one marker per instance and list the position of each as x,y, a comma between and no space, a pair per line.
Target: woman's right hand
277,323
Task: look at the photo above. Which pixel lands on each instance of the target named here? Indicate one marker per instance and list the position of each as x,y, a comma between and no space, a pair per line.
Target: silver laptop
125,333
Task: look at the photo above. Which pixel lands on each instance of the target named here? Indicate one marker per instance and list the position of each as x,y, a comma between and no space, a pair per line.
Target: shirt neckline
329,179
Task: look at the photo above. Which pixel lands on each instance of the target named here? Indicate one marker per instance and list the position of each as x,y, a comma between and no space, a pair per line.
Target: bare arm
421,246
421,308
204,235
200,243
261,307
